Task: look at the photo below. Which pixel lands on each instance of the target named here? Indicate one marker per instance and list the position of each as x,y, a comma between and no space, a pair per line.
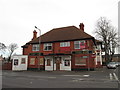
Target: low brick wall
7,66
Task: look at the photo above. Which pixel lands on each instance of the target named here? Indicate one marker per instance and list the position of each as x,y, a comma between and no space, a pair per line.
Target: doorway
58,61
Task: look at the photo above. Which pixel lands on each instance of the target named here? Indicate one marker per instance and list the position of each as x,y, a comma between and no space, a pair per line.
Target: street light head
35,27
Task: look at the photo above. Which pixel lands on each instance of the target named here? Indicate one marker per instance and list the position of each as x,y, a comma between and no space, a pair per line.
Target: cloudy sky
18,17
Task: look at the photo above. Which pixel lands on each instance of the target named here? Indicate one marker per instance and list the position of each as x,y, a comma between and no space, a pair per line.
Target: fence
6,65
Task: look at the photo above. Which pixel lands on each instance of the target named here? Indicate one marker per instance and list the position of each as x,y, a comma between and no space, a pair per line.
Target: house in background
66,48
116,58
98,52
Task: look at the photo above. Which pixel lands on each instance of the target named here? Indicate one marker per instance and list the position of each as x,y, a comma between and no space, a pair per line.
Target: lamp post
39,47
88,61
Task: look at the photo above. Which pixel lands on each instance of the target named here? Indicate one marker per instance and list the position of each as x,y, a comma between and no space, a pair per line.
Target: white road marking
115,76
71,75
75,80
81,79
86,75
111,77
78,75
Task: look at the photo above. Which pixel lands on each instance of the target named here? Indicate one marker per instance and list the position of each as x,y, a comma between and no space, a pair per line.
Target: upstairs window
79,44
48,46
65,44
35,47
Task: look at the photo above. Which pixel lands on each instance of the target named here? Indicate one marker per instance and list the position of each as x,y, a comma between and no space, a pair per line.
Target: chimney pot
34,35
81,26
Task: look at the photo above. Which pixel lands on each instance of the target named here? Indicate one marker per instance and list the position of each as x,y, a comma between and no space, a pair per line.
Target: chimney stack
81,26
34,35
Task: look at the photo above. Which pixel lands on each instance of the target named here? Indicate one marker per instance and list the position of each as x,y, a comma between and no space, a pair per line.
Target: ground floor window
32,61
23,61
66,62
15,61
41,61
80,61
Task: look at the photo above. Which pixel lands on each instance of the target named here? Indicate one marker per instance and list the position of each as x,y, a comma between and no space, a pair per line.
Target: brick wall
7,66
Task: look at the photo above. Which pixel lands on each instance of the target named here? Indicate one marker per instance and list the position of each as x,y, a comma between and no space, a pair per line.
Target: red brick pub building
66,48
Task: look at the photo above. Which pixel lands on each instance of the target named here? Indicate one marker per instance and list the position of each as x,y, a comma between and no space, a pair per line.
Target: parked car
112,65
118,63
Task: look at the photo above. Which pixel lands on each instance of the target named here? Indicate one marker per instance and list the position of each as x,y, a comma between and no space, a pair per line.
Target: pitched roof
62,34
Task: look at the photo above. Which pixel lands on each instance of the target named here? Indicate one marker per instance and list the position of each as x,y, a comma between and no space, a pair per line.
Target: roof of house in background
62,34
98,41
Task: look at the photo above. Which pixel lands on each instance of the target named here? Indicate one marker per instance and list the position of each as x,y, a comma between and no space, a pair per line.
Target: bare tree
11,48
107,33
2,46
113,42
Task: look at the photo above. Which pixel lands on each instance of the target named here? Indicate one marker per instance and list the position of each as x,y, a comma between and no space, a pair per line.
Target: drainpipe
88,61
39,48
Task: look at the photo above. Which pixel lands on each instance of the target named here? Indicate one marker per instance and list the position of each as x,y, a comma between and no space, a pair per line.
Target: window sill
47,50
80,65
35,50
23,63
32,65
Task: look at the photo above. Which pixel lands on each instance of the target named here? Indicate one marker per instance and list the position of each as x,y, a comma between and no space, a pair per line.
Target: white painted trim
62,67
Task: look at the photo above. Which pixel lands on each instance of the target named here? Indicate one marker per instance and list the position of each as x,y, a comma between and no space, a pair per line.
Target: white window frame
47,45
68,61
23,59
16,62
65,44
78,42
35,47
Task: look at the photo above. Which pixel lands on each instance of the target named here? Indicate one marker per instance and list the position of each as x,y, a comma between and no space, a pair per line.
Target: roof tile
62,34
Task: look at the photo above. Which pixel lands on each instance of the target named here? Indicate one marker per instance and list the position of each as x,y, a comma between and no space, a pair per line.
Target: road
102,78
